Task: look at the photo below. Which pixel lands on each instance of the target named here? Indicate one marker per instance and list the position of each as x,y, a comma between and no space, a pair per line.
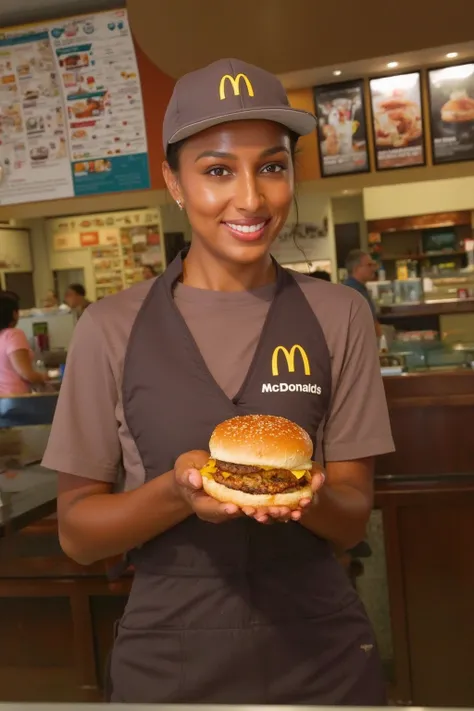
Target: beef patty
253,480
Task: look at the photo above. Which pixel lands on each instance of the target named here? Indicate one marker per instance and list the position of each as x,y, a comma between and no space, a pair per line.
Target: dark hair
9,304
78,288
174,149
320,274
353,259
151,268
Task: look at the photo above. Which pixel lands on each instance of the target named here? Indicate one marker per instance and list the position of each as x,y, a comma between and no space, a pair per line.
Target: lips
247,230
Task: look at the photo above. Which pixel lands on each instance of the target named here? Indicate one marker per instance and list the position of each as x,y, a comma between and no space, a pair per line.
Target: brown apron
239,612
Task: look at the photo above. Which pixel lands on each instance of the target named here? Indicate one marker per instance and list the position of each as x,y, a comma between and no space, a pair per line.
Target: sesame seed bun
262,440
241,499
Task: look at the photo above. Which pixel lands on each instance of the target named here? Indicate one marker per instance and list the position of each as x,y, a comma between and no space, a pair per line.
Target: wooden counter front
432,416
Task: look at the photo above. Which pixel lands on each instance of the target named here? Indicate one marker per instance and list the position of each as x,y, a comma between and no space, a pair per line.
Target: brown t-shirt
90,438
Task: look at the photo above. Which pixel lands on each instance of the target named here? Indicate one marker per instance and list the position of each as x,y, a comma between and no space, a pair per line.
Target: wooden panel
438,563
417,222
421,436
26,623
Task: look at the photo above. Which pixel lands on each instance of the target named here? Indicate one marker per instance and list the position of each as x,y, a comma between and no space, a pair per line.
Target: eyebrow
231,156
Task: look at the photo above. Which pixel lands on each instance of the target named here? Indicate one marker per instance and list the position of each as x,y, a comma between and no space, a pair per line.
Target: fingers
191,479
212,511
318,479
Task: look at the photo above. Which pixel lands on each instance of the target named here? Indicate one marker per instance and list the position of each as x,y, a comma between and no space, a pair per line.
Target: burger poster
397,121
452,113
342,129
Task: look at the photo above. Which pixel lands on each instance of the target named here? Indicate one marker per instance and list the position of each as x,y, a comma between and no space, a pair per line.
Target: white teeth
247,229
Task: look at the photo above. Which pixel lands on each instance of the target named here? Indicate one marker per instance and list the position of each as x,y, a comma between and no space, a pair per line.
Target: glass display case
407,291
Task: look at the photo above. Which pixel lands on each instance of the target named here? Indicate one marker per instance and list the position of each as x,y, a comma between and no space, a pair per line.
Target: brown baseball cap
229,90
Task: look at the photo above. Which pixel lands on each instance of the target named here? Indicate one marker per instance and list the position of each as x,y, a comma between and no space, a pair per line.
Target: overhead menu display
342,132
397,121
71,110
452,113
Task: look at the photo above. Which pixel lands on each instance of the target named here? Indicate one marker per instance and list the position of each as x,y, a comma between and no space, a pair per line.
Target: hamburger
259,460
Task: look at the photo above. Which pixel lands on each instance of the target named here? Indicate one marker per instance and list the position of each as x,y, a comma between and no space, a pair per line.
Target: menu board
71,110
397,120
342,129
452,113
33,137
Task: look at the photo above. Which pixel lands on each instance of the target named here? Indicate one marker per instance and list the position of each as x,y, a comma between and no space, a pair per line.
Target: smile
247,232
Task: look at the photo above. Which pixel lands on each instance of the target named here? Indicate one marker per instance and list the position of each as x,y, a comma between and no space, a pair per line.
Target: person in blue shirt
361,268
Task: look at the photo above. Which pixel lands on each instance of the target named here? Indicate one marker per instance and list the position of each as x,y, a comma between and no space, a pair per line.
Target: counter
27,497
417,585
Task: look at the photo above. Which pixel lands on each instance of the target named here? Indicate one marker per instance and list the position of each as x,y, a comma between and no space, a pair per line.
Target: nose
248,197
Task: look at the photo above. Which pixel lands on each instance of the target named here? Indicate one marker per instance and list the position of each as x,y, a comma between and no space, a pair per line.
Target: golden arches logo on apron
290,356
235,84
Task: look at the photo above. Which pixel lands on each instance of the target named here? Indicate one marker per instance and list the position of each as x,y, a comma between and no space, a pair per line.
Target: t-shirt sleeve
16,341
84,438
358,424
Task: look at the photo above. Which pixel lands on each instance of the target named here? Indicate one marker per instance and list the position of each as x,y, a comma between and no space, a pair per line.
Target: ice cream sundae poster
397,121
342,128
451,101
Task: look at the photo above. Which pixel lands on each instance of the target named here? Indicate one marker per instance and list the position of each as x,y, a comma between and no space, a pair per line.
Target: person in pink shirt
17,373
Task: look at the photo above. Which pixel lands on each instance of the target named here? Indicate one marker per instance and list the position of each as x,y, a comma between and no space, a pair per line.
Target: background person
236,612
148,272
76,299
17,374
361,269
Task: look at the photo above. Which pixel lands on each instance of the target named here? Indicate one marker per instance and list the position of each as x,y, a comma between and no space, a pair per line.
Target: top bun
262,440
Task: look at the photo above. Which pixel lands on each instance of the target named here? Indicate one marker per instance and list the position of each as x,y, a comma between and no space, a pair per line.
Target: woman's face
236,183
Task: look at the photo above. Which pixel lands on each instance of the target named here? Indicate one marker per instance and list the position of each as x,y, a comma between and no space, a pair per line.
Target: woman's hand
189,484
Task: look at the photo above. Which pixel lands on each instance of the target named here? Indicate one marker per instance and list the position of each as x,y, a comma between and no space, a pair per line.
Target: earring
179,204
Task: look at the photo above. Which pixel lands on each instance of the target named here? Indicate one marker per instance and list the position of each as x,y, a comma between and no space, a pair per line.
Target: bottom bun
240,498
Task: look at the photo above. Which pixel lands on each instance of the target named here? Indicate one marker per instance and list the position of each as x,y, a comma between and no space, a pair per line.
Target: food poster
34,153
452,113
342,129
71,110
397,121
104,107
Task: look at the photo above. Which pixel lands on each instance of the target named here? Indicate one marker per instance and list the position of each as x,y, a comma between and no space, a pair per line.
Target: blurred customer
149,272
76,299
51,300
17,373
361,268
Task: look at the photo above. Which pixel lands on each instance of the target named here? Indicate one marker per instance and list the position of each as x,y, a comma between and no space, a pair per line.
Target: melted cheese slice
210,468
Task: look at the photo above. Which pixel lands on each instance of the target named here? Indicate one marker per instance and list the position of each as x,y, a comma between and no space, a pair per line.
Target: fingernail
323,477
262,519
194,481
229,509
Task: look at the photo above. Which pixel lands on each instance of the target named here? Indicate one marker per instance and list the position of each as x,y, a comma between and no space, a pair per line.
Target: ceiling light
337,72
392,65
452,55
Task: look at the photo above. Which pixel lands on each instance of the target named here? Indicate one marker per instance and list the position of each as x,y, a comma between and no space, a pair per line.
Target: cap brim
300,122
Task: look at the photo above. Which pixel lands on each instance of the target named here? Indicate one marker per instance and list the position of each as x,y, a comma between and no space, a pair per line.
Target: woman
148,272
17,374
238,612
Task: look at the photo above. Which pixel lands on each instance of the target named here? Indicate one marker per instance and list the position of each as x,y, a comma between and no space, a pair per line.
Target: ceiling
20,12
291,36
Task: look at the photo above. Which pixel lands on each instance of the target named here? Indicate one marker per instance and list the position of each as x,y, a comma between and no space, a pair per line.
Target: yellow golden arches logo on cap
290,359
235,84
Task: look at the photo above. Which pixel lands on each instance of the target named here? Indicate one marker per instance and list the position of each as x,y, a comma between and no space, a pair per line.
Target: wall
350,208
312,208
419,198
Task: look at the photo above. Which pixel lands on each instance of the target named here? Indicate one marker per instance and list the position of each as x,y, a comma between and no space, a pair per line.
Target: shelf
416,257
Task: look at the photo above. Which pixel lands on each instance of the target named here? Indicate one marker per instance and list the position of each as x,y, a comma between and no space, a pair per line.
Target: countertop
27,497
195,707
